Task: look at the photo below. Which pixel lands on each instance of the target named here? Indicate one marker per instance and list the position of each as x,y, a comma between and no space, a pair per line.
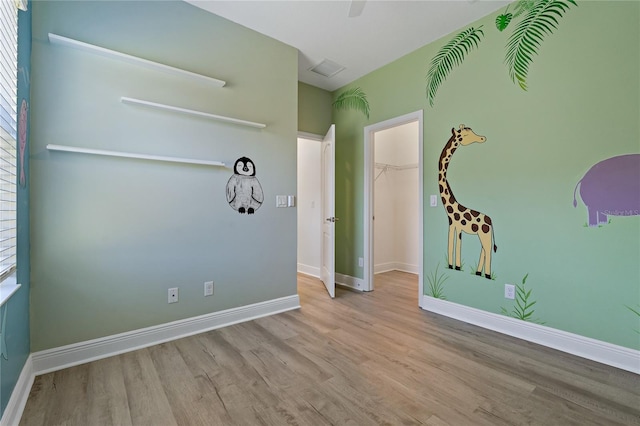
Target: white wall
396,200
309,213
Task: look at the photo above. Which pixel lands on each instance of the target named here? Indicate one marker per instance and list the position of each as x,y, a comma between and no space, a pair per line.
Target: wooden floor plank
359,359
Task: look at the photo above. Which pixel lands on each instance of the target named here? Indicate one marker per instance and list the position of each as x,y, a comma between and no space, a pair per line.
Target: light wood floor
361,359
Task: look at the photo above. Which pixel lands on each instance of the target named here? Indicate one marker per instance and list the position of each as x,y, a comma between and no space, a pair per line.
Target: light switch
434,201
291,200
281,201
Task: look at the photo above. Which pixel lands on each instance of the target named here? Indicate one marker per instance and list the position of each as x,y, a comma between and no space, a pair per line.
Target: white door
327,266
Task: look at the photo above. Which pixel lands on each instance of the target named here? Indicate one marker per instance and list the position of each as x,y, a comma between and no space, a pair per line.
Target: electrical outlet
173,295
509,291
208,288
360,262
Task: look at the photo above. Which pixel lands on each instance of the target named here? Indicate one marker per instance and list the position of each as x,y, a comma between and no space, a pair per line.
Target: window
8,134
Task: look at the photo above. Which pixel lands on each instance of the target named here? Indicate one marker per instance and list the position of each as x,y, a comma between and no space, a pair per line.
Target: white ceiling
385,30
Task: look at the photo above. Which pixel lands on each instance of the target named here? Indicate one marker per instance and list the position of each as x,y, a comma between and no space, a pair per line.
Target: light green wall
110,236
582,106
314,109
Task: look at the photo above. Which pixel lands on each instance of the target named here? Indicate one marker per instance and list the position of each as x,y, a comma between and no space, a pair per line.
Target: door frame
369,165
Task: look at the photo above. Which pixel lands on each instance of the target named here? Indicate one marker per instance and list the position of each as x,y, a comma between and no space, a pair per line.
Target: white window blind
8,133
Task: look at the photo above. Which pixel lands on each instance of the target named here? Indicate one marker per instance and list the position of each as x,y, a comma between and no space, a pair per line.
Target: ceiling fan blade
356,7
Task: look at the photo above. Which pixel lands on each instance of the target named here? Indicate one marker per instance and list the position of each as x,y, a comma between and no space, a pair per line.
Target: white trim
369,174
69,42
15,407
91,350
350,282
310,136
313,271
584,347
395,266
8,288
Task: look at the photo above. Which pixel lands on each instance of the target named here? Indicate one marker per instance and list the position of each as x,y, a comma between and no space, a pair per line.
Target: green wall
16,327
582,106
110,236
314,109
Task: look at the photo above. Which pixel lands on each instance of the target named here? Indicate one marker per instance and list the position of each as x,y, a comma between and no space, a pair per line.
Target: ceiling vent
327,68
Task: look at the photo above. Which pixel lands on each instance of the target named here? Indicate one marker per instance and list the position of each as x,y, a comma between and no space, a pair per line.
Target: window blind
8,134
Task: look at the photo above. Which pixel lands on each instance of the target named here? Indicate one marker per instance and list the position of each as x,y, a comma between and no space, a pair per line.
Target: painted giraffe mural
461,218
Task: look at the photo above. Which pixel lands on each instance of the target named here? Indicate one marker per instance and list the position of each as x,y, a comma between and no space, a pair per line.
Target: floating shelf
69,42
156,105
66,148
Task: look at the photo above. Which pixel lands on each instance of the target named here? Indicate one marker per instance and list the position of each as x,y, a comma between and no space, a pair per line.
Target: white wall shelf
69,42
181,110
92,151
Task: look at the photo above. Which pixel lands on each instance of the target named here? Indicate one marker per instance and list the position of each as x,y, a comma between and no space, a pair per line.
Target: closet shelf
69,42
67,148
181,110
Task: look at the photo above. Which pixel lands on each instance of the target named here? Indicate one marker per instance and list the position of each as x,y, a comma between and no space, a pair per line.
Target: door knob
332,219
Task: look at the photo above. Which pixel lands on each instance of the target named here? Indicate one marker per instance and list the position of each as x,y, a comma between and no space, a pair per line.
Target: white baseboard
584,347
91,350
395,266
309,270
350,282
19,396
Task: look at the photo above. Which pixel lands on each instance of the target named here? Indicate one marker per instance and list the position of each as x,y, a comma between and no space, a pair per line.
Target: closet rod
66,148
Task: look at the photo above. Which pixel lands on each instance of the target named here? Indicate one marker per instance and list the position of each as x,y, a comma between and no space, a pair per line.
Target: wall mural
523,309
611,188
353,98
244,192
461,218
539,19
436,282
22,140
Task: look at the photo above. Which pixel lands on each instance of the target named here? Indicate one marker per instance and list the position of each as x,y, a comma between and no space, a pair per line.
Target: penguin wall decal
244,193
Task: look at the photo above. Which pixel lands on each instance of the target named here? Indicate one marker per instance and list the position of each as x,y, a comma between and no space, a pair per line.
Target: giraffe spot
477,219
486,228
456,216
474,227
446,191
452,200
450,209
441,189
475,213
461,208
463,222
467,216
449,217
487,220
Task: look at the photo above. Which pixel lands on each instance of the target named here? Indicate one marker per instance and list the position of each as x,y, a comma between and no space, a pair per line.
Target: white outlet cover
509,291
208,288
281,201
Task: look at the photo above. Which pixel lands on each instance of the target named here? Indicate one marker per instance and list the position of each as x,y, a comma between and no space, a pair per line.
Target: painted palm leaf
526,39
523,6
502,21
353,98
450,55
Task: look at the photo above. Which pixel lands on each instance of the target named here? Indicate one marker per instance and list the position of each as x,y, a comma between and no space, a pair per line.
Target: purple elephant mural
611,188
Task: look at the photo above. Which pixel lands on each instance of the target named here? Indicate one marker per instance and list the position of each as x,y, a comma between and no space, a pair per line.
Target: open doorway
309,204
393,198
